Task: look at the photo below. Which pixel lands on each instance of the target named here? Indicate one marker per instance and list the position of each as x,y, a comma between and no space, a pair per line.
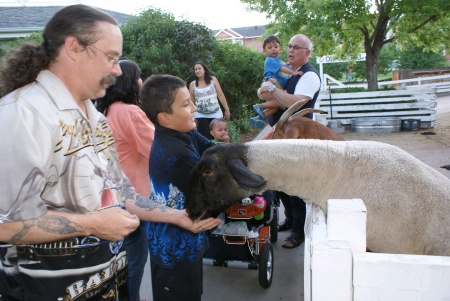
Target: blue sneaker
257,122
260,111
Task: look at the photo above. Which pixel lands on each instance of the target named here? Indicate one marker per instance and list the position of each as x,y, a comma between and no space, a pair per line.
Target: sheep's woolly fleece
406,199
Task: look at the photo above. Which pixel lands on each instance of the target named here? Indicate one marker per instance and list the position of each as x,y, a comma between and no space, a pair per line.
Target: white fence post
346,221
329,247
332,272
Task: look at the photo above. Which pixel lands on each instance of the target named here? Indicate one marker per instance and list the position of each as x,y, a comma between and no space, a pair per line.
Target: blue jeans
137,252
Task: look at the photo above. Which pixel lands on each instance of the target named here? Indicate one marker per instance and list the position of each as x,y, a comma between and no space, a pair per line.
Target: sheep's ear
243,176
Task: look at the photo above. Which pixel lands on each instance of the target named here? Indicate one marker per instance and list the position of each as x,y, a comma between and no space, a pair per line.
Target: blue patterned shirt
172,157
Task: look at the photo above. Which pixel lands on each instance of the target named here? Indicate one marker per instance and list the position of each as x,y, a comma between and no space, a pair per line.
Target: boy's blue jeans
136,246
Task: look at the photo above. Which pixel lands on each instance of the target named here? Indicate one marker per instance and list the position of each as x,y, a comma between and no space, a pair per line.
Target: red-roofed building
249,36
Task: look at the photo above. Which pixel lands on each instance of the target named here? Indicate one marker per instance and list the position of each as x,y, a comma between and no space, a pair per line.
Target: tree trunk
371,71
372,47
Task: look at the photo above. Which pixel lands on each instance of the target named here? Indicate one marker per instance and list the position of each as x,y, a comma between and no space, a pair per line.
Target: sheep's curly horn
284,118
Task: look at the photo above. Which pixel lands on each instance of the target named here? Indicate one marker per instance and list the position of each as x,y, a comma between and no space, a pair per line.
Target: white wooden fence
412,103
414,98
338,268
440,82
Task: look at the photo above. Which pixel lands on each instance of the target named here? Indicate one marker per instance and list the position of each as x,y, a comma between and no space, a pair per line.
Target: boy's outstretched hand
198,226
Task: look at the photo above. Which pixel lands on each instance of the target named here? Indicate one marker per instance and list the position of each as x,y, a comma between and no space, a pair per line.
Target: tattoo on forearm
58,225
48,223
150,205
26,226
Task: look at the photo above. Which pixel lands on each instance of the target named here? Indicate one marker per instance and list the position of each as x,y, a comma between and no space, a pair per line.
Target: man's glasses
296,47
110,58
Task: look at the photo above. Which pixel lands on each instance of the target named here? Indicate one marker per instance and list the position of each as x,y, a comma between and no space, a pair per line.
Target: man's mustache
109,80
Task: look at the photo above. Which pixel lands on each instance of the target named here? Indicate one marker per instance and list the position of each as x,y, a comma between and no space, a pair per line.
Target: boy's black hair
214,121
158,94
270,39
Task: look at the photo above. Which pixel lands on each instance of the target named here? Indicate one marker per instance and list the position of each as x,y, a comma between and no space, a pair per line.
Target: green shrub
240,125
240,72
162,45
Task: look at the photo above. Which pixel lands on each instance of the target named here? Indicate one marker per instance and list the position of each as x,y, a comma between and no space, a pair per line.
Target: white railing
412,103
338,268
442,86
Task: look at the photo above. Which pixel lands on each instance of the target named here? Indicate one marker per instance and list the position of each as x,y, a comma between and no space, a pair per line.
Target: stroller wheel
274,225
265,265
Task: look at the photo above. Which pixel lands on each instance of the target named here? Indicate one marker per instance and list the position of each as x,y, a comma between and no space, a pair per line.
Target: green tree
419,57
388,59
161,44
240,72
352,23
336,70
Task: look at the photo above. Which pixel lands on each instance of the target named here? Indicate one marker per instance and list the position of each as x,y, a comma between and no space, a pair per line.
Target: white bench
411,103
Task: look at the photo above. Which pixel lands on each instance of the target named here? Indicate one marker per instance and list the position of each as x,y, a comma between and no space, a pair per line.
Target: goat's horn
306,111
291,110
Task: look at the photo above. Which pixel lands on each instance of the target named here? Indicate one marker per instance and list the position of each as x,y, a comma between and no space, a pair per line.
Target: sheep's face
220,179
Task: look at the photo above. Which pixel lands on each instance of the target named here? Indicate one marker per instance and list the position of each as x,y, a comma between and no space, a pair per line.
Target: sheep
299,127
407,201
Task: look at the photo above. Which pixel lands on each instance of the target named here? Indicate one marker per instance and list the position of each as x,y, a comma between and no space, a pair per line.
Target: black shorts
50,272
183,282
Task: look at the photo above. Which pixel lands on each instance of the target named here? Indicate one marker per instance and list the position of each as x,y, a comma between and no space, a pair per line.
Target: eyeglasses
111,58
296,47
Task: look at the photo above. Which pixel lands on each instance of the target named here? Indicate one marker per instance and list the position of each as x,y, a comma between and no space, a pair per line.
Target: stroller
244,239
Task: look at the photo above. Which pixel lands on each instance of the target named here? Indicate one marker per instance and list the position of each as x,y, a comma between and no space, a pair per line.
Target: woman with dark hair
126,89
133,134
206,93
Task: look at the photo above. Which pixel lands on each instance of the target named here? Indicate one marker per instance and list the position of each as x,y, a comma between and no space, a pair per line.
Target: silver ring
203,228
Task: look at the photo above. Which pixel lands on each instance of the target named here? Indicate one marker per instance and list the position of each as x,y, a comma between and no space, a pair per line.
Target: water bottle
259,202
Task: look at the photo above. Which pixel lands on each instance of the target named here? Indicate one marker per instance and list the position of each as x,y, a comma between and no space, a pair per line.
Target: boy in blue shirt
175,252
276,71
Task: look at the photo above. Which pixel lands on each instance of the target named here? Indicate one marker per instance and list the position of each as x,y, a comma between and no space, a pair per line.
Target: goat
407,201
299,127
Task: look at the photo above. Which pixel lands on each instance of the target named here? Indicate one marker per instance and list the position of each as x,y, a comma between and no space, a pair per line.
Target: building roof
18,18
245,32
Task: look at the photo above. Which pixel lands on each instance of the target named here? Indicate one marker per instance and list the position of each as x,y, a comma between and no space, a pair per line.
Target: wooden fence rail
411,103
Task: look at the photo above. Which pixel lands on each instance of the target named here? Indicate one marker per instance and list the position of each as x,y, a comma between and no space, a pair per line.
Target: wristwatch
270,89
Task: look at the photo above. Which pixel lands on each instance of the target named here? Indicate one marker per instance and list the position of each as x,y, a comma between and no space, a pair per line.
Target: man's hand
112,224
263,93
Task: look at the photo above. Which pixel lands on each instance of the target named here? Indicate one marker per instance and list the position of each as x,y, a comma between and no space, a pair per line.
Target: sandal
294,240
257,122
259,110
